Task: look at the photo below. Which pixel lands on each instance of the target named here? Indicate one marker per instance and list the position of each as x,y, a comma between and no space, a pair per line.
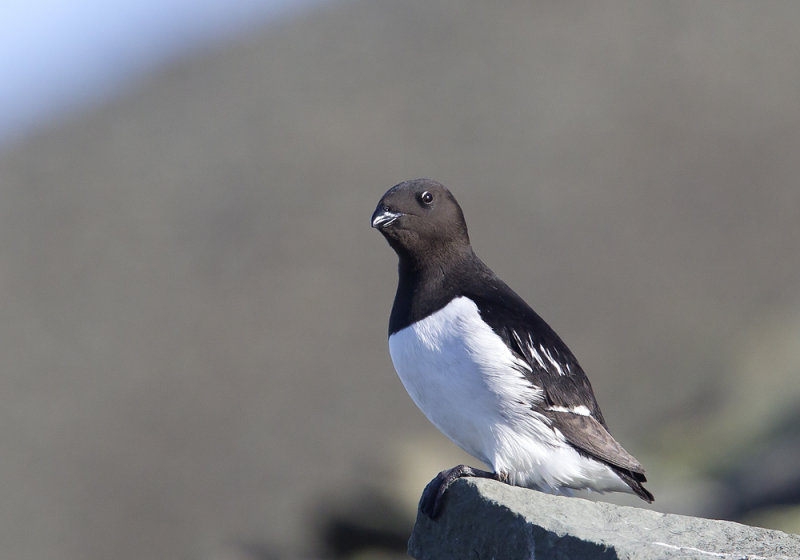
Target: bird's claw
433,496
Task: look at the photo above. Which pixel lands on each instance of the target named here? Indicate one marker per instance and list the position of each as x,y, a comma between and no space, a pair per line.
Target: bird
484,367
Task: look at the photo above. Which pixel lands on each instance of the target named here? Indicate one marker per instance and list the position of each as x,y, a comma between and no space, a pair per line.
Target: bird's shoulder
550,364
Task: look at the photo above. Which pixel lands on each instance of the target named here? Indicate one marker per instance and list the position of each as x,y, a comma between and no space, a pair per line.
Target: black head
421,218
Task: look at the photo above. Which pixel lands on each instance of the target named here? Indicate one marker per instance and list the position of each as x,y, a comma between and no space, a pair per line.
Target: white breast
468,383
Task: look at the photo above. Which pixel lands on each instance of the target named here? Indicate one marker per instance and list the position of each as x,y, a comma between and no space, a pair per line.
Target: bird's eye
426,197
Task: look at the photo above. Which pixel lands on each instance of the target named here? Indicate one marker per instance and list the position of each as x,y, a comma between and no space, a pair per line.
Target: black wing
553,367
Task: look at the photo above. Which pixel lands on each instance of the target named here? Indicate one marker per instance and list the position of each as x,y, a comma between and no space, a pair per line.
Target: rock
485,519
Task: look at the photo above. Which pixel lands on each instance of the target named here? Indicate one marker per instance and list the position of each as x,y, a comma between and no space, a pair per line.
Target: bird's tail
635,480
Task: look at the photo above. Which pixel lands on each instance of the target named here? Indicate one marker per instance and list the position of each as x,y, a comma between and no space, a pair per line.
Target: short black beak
383,217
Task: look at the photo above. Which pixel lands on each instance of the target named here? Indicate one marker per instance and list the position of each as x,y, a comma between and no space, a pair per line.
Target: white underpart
468,383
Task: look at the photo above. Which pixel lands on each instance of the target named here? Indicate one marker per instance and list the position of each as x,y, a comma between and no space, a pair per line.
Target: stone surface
484,519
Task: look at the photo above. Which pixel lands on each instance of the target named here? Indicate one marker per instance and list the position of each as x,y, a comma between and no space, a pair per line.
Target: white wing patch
528,345
552,360
530,348
580,409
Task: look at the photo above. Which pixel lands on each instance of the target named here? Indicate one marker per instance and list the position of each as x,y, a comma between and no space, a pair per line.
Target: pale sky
62,55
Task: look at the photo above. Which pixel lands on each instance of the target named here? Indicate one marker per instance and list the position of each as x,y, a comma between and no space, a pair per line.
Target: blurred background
193,356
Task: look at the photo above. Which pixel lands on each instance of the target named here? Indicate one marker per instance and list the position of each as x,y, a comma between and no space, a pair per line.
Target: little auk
483,367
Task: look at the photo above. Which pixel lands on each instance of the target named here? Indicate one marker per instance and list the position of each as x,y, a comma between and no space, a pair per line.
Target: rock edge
484,519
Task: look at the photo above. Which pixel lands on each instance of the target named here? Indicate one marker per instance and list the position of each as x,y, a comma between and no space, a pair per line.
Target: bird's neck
427,285
433,267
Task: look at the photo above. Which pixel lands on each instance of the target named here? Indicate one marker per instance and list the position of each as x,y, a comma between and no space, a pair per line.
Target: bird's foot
431,502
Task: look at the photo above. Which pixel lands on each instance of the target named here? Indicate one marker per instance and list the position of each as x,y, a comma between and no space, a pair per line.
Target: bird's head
421,217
